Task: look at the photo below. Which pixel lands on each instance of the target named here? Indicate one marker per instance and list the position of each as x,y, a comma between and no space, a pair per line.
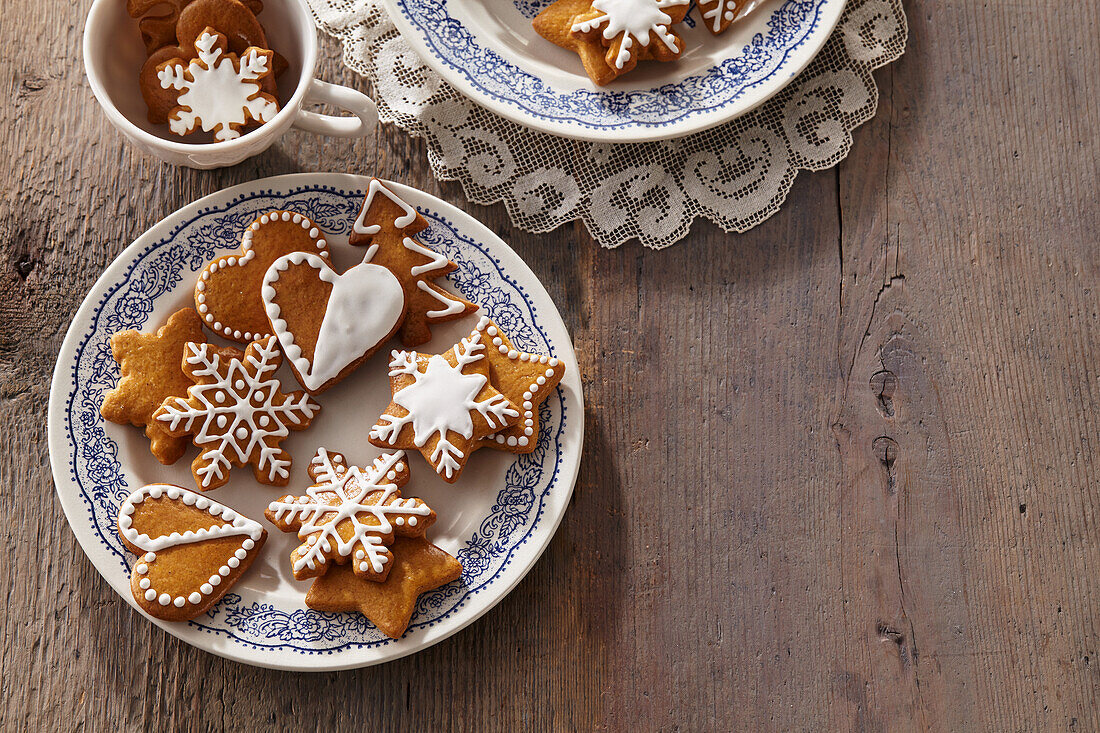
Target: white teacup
114,54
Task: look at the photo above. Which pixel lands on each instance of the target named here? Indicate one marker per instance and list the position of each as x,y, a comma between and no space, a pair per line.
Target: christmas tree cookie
386,225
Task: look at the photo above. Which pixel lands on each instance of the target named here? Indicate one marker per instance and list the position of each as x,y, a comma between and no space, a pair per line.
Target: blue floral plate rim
524,514
785,37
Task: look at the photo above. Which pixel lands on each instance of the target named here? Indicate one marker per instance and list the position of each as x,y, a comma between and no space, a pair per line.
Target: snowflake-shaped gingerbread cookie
236,412
443,405
221,92
350,514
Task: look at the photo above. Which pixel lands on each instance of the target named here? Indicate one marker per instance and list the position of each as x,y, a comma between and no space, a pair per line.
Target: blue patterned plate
488,50
497,519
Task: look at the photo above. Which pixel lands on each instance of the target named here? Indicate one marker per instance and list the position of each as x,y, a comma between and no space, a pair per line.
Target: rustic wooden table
840,471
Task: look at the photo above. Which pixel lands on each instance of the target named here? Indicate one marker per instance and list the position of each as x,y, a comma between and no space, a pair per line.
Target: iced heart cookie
418,567
611,36
190,550
150,373
228,291
220,92
236,413
525,379
443,405
350,515
328,324
386,225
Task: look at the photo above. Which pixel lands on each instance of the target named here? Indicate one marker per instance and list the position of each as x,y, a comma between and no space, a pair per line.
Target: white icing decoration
217,94
216,460
438,261
406,219
440,401
634,19
319,515
364,306
453,306
239,526
484,325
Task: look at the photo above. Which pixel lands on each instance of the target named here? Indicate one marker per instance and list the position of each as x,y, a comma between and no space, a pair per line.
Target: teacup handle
346,98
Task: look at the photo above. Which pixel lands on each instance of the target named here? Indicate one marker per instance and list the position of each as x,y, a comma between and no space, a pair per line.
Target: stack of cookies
209,65
363,543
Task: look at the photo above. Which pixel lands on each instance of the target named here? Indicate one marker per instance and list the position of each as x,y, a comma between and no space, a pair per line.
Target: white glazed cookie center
635,19
216,93
440,401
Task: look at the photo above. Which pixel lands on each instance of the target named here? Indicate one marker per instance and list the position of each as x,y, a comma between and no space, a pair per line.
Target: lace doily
737,174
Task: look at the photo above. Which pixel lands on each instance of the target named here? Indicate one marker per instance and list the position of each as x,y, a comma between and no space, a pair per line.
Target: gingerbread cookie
221,93
350,515
228,292
157,19
719,14
525,379
160,101
328,324
236,413
191,550
443,405
150,373
233,19
418,567
386,225
611,36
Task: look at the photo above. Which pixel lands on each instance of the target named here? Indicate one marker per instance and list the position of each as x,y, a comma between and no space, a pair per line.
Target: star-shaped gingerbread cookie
418,567
443,405
525,379
151,373
236,412
611,36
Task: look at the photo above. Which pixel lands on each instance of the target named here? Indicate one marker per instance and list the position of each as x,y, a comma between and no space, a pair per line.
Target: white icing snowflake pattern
239,415
441,400
222,92
635,19
346,496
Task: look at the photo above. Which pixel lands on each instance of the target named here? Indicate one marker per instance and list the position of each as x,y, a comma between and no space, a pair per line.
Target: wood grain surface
840,471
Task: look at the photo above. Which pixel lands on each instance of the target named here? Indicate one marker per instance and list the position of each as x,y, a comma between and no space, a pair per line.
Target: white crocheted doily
736,174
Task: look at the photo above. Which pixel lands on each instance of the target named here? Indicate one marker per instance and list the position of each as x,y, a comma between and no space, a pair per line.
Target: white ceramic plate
488,50
497,519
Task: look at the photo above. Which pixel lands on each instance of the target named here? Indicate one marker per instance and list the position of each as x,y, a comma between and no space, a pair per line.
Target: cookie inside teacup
196,71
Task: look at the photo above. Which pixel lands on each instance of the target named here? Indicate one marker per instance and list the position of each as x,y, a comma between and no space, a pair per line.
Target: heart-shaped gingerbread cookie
191,549
227,294
327,324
